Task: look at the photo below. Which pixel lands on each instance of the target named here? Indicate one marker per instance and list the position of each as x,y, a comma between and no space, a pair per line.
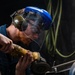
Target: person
22,63
26,25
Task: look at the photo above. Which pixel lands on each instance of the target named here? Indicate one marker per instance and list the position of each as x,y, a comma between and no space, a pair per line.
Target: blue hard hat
47,19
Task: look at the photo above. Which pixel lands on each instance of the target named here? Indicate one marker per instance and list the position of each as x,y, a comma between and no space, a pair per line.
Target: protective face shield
20,19
47,19
35,20
42,19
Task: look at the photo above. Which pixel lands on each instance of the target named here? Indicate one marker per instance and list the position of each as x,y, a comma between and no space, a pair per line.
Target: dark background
7,7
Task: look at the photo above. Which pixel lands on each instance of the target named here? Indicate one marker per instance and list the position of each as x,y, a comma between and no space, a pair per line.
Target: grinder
39,66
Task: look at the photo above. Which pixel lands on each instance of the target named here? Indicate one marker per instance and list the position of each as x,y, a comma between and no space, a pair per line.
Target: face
31,33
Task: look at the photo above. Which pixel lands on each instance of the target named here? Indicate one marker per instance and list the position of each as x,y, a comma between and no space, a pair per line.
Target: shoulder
3,29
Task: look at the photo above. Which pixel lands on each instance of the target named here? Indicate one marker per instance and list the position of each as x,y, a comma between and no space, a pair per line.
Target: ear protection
20,22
